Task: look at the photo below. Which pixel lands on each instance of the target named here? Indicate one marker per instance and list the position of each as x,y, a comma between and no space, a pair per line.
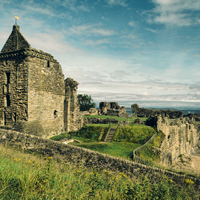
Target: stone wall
96,120
88,158
113,109
46,94
144,112
13,90
32,90
73,119
181,137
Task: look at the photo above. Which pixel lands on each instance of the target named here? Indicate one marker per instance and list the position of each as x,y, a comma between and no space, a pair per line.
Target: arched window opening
55,114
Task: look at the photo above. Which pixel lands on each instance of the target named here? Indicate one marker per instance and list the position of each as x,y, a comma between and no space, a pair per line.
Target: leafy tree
86,102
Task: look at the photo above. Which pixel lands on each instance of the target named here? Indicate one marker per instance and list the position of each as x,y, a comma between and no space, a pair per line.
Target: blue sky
118,50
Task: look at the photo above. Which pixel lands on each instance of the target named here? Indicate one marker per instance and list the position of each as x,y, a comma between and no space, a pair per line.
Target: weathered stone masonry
32,87
181,137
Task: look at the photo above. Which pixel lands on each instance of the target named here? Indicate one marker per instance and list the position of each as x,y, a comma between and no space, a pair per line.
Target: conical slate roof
16,41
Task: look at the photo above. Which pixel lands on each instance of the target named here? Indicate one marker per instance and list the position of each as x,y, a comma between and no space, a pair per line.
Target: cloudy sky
118,50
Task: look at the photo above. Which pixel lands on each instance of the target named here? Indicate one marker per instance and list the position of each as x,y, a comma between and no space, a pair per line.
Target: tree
86,102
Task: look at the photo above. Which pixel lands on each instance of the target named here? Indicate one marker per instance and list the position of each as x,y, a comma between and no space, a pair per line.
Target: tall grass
25,176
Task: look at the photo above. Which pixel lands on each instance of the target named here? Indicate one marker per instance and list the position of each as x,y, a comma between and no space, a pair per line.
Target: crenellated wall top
71,83
32,52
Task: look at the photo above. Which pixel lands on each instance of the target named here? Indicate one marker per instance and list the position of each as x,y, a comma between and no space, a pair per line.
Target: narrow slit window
8,77
8,100
48,64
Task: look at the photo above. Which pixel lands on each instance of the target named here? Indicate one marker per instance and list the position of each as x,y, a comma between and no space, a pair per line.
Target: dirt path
196,164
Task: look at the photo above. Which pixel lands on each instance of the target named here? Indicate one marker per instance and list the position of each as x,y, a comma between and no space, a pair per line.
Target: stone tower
32,88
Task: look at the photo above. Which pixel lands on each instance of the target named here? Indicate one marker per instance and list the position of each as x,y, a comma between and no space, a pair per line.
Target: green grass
115,117
117,149
147,152
93,133
27,176
139,134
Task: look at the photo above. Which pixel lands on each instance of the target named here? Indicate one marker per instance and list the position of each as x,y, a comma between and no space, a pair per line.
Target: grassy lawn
115,117
117,149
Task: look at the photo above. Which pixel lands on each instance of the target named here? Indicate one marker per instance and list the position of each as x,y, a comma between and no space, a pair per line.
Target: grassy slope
121,150
90,135
27,176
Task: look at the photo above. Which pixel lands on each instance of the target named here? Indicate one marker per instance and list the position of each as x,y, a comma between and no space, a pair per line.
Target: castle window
8,77
48,64
7,100
55,114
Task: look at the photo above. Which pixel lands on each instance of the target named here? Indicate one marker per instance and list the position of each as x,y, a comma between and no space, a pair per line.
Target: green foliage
121,150
86,102
136,134
24,176
61,137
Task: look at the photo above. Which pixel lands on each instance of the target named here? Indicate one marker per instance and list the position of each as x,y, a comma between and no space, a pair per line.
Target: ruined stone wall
180,138
113,109
46,93
144,112
14,88
88,158
73,119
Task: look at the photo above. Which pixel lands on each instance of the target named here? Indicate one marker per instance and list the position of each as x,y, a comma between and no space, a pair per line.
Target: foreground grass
27,176
117,149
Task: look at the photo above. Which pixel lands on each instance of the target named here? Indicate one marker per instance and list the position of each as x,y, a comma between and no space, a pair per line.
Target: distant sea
128,110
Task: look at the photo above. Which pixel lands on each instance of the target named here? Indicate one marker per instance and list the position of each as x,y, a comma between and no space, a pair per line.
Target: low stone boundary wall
139,159
77,155
96,120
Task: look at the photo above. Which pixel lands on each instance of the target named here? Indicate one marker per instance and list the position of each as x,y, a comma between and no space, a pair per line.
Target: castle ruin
33,90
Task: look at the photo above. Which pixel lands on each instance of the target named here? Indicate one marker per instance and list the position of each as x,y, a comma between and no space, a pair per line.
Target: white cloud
129,36
97,42
175,12
73,5
117,2
132,24
152,30
90,30
51,42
